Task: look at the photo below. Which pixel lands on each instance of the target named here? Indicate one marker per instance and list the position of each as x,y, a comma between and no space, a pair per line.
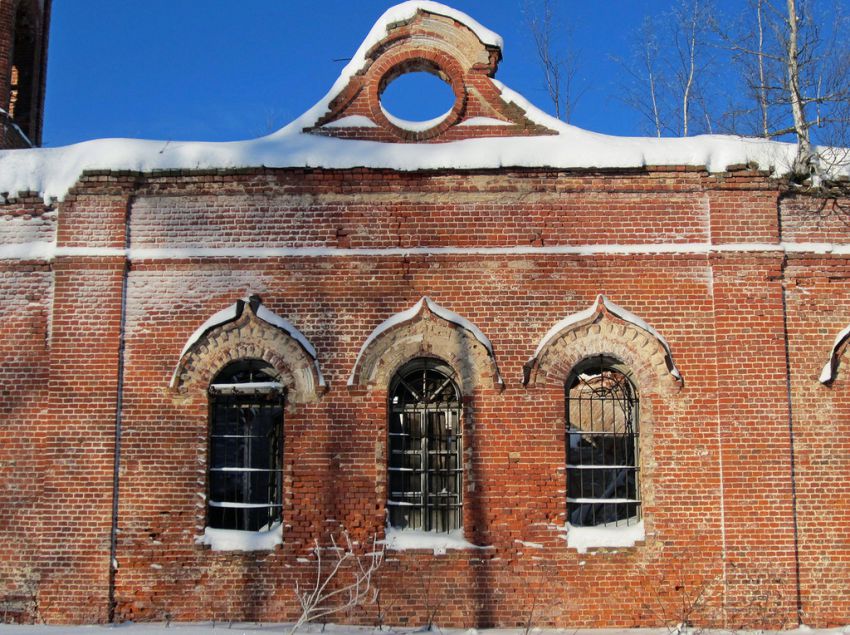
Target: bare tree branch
557,56
329,594
795,66
643,93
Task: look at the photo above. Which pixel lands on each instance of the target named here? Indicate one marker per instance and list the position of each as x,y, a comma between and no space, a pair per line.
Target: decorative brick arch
434,39
605,329
427,330
839,348
248,330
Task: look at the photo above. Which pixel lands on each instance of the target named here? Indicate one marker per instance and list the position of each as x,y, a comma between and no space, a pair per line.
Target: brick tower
24,27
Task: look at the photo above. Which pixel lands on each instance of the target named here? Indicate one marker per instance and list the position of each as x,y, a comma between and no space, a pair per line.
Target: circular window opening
417,100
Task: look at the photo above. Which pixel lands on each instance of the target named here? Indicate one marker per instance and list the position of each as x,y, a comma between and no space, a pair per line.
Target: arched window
425,468
602,444
22,71
246,447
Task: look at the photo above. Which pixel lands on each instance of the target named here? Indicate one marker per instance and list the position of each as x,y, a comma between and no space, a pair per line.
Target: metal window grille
246,447
602,445
425,469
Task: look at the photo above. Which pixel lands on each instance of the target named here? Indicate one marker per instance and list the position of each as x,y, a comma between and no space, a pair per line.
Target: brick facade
743,452
24,27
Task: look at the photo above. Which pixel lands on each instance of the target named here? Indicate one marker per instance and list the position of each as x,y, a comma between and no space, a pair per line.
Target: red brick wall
26,286
818,299
717,467
10,136
75,508
24,323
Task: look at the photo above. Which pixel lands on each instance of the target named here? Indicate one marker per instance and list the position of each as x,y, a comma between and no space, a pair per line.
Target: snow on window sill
238,540
438,542
612,535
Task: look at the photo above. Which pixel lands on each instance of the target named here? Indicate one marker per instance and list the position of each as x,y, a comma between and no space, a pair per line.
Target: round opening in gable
417,100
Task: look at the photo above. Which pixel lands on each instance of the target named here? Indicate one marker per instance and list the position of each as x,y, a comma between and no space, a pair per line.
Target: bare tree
803,160
557,56
682,598
761,86
670,86
643,92
797,75
332,592
690,23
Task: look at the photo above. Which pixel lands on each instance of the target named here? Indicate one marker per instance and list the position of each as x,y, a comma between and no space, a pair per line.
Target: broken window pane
602,445
424,468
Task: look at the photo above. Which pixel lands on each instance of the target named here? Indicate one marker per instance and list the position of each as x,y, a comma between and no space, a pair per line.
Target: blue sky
226,70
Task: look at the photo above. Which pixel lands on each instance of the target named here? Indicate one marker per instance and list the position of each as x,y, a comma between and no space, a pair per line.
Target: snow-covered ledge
53,171
613,535
238,540
438,542
830,369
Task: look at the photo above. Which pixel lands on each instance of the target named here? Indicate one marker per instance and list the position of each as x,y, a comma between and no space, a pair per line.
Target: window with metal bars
246,447
602,445
424,467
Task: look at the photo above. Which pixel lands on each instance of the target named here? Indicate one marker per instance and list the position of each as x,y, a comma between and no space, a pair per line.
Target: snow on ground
227,628
52,171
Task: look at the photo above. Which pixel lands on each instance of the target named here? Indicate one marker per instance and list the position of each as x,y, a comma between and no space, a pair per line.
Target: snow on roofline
53,171
407,10
9,121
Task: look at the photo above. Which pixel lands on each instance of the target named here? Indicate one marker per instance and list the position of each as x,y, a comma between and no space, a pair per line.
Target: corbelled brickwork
720,295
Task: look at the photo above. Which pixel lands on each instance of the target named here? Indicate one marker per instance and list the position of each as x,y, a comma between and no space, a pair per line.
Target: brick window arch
245,472
248,330
425,448
602,430
839,348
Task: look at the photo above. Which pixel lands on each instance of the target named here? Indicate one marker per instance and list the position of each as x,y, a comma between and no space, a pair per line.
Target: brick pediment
444,46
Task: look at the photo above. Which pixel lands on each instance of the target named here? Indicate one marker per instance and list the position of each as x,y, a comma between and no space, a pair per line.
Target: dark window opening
21,80
425,468
602,445
246,447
